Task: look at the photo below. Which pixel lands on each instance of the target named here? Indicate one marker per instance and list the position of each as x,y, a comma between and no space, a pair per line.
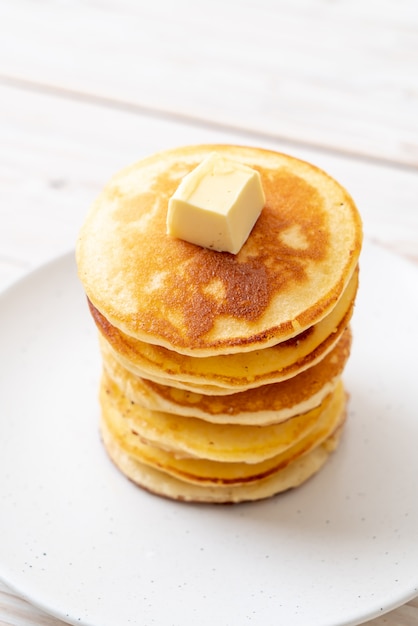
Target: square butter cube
216,205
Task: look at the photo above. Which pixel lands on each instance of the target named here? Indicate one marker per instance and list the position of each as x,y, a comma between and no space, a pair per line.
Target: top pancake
288,275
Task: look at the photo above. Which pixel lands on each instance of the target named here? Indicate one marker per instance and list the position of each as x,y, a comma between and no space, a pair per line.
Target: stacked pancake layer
222,373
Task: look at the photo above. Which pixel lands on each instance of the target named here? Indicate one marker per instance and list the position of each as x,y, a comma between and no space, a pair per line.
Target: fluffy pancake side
193,437
207,472
268,404
159,483
233,372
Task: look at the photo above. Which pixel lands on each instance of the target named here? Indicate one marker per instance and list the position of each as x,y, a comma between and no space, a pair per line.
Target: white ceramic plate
83,543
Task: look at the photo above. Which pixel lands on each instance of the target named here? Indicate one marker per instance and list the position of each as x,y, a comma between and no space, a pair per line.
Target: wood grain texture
341,74
57,153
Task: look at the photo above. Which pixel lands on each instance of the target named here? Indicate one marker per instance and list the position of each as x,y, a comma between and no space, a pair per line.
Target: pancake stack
222,373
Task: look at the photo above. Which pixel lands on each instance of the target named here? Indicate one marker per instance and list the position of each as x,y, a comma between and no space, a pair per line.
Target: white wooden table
87,87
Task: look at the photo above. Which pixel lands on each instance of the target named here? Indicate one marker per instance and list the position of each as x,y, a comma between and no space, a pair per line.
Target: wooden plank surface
337,74
56,154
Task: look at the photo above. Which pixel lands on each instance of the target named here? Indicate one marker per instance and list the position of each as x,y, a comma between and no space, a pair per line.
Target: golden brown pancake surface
289,274
232,372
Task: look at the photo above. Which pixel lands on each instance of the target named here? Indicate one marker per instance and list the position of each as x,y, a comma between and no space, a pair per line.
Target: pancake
193,437
208,472
269,404
233,372
157,481
156,289
164,485
222,373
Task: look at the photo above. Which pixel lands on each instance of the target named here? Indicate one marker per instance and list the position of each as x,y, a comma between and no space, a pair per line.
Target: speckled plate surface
83,543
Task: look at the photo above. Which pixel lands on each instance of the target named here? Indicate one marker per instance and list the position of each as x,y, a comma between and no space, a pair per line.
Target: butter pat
216,205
